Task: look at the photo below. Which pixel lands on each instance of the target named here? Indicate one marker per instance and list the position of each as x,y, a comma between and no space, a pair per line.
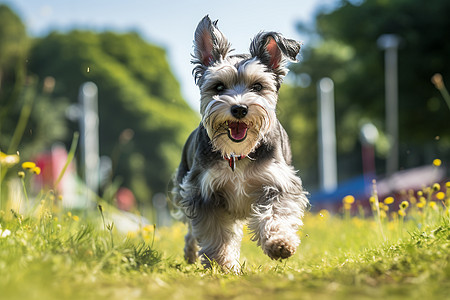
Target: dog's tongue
238,130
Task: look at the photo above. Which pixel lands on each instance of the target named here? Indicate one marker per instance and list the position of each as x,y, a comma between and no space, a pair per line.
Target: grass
54,254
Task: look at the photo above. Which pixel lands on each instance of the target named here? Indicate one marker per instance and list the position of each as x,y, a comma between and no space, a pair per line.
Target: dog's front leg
275,220
219,236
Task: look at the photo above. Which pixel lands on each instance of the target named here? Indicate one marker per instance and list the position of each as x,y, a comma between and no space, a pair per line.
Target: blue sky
170,24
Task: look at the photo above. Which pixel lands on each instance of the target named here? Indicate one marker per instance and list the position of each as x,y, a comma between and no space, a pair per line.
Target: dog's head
239,92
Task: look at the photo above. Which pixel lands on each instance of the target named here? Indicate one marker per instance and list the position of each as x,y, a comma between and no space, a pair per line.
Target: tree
137,91
344,48
13,50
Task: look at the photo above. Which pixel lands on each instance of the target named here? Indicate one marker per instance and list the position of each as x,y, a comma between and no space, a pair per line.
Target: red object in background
125,199
51,164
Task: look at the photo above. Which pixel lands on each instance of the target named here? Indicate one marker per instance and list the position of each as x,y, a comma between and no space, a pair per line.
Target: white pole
327,136
89,137
389,43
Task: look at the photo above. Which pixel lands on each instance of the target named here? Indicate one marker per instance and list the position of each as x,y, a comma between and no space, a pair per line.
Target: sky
170,23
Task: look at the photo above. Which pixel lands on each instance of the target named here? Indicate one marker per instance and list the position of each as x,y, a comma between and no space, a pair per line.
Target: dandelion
436,187
349,199
8,160
36,170
347,206
404,205
76,218
401,213
437,162
388,200
324,213
420,193
148,228
28,165
21,174
421,204
440,196
432,205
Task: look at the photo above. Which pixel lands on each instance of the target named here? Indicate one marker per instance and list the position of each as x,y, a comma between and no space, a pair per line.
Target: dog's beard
231,136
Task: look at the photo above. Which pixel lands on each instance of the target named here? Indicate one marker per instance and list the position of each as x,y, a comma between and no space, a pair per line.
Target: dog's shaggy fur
236,166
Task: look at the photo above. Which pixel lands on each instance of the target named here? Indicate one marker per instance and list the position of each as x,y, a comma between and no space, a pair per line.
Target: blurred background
360,105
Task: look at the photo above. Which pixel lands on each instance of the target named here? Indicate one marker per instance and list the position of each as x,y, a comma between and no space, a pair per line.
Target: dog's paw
278,247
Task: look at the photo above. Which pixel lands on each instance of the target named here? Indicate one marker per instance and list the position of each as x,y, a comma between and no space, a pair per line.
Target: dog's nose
239,111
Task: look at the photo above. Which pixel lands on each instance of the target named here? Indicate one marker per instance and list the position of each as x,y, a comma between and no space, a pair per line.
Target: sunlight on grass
389,245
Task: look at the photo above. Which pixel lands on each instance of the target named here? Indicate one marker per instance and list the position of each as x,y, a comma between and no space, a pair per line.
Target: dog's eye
219,88
257,87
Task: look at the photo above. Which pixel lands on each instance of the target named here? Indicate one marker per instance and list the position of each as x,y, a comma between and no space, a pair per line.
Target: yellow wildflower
437,162
324,213
420,193
421,204
347,206
36,170
76,218
432,205
436,187
8,160
404,205
389,200
401,213
28,165
440,196
148,228
349,199
21,174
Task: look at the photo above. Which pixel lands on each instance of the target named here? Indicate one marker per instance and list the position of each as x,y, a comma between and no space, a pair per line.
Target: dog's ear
274,51
210,45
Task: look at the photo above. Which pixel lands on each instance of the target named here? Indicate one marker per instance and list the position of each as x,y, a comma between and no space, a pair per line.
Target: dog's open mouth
237,131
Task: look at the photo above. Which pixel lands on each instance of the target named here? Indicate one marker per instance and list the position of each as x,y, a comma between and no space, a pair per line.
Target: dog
236,166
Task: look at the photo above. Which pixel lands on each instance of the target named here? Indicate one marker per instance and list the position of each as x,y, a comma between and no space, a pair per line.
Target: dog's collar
232,160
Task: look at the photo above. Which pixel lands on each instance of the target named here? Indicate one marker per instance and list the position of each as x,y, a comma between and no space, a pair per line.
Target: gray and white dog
236,166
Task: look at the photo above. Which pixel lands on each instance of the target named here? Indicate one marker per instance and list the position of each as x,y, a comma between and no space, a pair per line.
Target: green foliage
13,49
136,91
343,46
138,95
29,113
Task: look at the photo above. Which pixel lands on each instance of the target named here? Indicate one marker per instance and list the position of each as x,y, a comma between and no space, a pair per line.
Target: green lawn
61,255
